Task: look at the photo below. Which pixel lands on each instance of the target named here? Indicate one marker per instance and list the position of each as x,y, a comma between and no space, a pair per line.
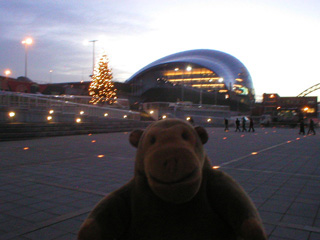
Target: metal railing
62,104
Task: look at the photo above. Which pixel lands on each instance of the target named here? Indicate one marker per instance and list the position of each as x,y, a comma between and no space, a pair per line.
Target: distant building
21,84
270,103
275,105
197,76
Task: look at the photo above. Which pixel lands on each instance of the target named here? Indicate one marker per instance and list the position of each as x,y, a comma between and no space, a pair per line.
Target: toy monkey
174,194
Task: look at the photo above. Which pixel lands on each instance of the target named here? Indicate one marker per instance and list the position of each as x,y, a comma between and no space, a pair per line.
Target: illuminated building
276,106
197,76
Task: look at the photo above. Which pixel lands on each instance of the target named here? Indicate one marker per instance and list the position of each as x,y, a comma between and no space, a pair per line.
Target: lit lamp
12,114
7,72
26,42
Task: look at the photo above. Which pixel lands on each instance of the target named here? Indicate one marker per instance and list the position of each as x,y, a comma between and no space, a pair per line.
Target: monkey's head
171,157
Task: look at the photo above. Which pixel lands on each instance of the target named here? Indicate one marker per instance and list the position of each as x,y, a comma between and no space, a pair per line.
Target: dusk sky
277,40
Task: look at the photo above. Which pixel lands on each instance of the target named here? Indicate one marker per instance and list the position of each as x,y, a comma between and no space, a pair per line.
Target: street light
50,72
26,42
7,72
93,50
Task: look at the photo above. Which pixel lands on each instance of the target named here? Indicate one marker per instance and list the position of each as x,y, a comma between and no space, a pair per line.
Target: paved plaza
49,185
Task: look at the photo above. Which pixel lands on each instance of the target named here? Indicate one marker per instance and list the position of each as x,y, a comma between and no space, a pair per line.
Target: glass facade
198,76
191,75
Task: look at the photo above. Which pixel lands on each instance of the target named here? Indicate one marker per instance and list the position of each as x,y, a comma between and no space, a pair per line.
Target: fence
37,108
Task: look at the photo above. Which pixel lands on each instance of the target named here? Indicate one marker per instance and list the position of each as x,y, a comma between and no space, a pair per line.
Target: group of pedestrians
311,127
251,127
243,124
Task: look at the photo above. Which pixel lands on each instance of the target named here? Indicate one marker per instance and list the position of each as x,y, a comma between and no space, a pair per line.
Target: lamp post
93,50
26,42
7,72
50,72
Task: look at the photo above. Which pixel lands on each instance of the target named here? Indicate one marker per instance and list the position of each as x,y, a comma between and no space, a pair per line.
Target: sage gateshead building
205,77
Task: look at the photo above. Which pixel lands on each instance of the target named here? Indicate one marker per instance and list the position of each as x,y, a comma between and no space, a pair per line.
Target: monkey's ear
135,137
202,134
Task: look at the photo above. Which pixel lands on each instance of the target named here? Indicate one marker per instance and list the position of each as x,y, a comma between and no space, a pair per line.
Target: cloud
277,41
59,28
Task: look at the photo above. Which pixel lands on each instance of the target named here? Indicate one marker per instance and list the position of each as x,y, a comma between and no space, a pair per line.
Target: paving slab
49,185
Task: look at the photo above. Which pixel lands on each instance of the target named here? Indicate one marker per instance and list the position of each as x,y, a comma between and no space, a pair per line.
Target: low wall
41,116
17,131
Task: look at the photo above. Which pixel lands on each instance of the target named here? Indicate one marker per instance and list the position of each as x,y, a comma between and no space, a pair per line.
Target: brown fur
175,194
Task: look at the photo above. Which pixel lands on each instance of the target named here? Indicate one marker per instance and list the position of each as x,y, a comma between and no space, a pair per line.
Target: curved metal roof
223,64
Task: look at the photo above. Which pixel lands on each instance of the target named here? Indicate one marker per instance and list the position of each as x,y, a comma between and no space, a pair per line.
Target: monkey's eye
185,135
153,140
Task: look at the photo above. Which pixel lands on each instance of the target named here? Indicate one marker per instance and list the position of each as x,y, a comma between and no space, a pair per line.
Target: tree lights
102,88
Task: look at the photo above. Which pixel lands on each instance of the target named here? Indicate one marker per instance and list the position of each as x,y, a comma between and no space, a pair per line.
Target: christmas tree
101,87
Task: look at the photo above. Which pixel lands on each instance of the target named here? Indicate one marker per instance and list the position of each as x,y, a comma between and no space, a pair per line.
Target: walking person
226,125
244,124
238,125
302,127
311,127
251,125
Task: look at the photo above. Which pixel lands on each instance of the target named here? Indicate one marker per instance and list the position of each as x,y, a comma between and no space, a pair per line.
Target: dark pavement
48,185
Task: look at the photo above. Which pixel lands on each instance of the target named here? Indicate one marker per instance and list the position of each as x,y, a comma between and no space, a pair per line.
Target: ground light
11,114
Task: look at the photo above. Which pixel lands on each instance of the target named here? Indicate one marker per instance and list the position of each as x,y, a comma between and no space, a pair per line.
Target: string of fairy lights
101,87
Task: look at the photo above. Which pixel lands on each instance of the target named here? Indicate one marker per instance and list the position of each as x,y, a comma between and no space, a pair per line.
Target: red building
21,84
